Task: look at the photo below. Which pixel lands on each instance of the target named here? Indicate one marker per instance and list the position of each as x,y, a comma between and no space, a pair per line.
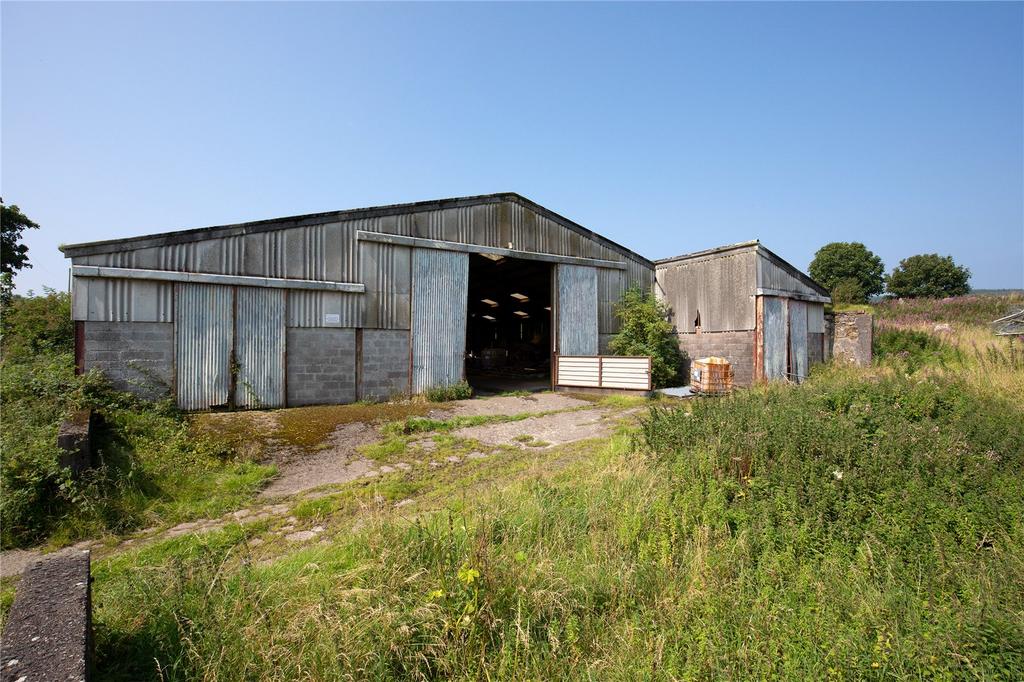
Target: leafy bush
913,348
440,394
928,276
37,324
645,330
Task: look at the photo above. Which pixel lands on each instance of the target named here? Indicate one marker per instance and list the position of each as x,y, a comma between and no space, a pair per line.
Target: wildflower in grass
838,474
468,575
434,595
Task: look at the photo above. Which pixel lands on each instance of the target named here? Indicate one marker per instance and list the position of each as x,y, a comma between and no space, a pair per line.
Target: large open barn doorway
508,329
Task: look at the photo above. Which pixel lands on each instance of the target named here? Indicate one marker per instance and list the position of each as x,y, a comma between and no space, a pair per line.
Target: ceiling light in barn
521,313
522,298
547,308
488,317
492,256
493,304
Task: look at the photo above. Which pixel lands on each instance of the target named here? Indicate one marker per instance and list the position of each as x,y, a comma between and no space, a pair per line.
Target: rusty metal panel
440,281
797,340
775,341
259,347
721,288
577,310
203,333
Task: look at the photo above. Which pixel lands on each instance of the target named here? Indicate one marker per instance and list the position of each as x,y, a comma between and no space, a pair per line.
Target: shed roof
217,231
753,245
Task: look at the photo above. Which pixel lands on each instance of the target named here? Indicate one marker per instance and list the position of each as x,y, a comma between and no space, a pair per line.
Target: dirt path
338,461
545,431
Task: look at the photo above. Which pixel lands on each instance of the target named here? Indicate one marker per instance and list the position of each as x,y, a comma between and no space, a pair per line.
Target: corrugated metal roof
219,231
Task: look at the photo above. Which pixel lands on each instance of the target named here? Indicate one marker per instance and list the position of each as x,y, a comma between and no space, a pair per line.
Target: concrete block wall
385,369
135,356
736,347
321,366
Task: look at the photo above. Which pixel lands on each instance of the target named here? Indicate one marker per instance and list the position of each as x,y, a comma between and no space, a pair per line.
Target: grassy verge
866,525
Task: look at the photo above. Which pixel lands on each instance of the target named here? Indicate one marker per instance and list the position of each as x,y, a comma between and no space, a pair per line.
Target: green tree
646,331
928,275
13,253
838,263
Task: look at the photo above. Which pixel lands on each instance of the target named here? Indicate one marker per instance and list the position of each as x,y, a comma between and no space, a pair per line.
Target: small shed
746,304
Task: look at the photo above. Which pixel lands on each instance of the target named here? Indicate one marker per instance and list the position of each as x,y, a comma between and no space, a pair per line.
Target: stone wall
736,347
852,337
385,369
48,632
321,366
135,356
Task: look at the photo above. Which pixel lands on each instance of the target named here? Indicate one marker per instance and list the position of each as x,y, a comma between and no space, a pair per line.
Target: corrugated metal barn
342,306
746,304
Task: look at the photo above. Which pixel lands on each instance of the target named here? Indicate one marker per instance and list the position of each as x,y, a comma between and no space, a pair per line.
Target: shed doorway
508,328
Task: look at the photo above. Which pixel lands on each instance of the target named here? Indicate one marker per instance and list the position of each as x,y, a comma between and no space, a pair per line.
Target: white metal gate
440,281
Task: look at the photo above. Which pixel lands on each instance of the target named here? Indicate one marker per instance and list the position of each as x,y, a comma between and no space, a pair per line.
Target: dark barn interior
508,328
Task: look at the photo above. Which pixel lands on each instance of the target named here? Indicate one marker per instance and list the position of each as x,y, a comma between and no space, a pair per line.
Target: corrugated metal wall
720,287
775,342
203,334
577,310
387,274
797,340
440,282
770,275
260,347
330,252
816,318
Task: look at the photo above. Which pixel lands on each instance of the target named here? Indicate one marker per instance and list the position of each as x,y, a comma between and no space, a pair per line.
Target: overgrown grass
865,525
151,468
440,394
975,310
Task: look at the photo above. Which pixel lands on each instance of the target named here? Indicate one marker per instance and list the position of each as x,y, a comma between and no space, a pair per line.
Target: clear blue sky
666,127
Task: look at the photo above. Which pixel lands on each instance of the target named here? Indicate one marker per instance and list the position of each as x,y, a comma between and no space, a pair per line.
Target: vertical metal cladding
577,310
797,340
203,332
770,275
329,251
259,347
611,284
440,288
775,342
386,275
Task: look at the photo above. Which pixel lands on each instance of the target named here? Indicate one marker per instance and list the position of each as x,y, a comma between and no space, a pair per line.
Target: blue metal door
440,281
